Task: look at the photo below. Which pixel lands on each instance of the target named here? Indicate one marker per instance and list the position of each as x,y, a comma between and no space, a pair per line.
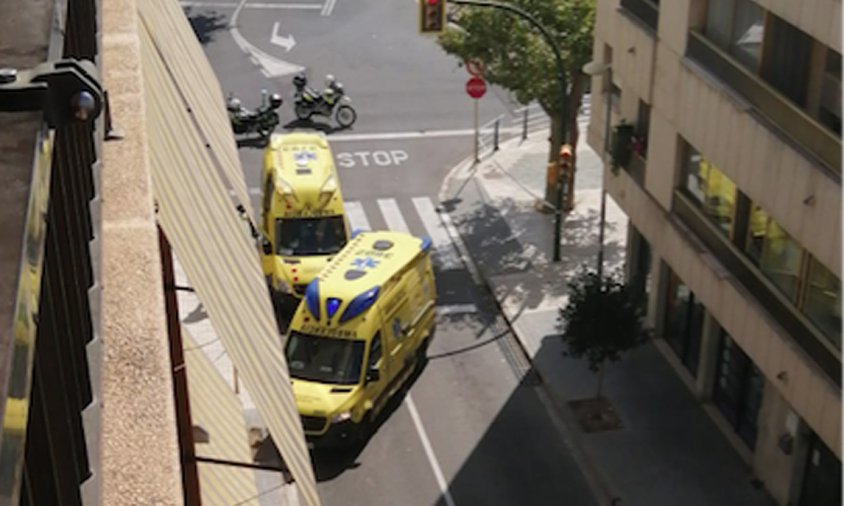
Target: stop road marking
379,158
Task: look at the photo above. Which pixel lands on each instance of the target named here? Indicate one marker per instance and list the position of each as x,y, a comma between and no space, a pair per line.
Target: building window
822,481
788,54
823,301
774,252
683,322
710,189
830,109
738,389
738,27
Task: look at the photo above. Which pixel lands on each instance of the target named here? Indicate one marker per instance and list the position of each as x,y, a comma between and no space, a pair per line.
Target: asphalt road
472,428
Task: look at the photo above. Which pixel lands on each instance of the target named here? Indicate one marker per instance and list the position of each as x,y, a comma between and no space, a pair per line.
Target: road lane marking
446,255
270,66
451,309
357,215
387,136
234,5
328,7
392,215
381,158
429,451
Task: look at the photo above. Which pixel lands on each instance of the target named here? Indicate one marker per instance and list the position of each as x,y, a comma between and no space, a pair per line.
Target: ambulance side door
377,375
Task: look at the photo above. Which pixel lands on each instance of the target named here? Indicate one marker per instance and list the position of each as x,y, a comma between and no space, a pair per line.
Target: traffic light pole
561,77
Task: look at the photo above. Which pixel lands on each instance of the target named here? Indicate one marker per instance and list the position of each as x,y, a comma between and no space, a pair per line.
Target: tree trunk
555,140
575,101
600,379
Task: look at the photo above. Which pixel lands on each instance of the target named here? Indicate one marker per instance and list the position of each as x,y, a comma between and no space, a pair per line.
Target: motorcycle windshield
325,235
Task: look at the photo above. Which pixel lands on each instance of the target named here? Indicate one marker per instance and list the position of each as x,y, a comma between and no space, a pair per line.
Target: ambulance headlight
341,417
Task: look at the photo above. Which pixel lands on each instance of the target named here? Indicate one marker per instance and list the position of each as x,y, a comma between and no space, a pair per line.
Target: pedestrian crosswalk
387,213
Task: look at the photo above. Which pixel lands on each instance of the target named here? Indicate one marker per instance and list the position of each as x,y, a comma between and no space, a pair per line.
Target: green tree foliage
517,57
601,320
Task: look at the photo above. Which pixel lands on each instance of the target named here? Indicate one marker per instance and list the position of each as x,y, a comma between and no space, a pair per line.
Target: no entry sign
475,87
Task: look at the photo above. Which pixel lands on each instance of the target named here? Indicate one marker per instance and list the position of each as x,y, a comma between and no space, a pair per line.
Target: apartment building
725,131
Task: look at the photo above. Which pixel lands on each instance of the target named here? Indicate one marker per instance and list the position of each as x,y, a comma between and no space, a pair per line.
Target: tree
601,320
517,58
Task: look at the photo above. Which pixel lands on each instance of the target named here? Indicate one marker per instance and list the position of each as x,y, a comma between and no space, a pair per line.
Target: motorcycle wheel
346,116
303,112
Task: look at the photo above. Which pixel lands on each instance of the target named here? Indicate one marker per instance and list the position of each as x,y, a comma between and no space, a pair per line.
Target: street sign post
475,67
476,87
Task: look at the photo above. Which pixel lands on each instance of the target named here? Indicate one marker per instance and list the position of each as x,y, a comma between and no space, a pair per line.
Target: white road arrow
286,42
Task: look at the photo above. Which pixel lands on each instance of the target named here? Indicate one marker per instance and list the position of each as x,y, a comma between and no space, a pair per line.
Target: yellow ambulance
302,216
357,336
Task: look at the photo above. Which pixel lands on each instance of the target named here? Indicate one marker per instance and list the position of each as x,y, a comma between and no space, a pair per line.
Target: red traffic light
433,2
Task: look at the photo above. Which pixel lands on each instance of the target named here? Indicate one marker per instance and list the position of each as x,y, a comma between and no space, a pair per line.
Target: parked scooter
308,102
262,120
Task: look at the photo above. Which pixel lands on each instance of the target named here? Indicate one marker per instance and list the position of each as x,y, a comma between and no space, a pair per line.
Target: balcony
780,309
795,123
645,11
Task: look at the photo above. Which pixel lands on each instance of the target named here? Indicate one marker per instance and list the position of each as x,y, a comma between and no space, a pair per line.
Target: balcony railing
778,307
788,117
644,10
49,438
636,168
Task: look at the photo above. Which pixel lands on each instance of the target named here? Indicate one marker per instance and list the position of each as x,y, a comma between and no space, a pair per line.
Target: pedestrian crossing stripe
445,256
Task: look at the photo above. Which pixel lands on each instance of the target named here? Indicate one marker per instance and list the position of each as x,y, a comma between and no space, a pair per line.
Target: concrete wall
140,447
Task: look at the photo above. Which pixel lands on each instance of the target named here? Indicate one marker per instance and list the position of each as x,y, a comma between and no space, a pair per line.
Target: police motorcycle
262,120
308,102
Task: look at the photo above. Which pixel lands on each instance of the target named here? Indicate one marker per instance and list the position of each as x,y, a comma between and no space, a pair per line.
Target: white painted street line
457,309
388,136
286,42
328,7
357,215
446,255
379,158
270,66
234,5
392,215
429,451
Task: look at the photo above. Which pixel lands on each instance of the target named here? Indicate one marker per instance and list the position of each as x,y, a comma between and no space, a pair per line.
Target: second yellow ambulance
302,213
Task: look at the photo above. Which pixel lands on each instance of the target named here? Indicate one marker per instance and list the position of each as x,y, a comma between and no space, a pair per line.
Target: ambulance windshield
324,359
325,235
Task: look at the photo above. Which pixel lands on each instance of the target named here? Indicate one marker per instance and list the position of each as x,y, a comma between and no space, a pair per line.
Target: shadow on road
309,124
330,463
205,24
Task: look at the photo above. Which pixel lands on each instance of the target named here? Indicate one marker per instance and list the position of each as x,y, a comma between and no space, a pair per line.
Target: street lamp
595,68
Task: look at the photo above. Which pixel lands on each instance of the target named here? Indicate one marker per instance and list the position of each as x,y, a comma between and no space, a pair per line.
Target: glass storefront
822,481
712,191
738,389
683,322
774,251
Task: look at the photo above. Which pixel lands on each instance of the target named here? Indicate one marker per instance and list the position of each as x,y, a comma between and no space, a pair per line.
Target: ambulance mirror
372,375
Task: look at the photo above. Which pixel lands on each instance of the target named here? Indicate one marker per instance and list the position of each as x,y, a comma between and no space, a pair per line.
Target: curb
561,417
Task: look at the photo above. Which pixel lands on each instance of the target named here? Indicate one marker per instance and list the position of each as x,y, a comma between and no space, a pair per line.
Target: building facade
725,131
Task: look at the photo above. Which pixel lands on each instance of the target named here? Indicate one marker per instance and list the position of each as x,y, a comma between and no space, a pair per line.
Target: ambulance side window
268,194
374,351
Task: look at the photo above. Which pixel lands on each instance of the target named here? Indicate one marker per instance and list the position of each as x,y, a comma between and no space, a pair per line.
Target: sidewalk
668,452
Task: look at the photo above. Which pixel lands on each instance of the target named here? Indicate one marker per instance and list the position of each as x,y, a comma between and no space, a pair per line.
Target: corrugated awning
190,147
218,412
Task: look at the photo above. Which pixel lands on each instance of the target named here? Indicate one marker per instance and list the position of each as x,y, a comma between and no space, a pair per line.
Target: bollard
524,125
495,135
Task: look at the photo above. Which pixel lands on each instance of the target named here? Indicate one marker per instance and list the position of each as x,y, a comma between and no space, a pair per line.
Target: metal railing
49,444
783,114
775,304
645,11
488,137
